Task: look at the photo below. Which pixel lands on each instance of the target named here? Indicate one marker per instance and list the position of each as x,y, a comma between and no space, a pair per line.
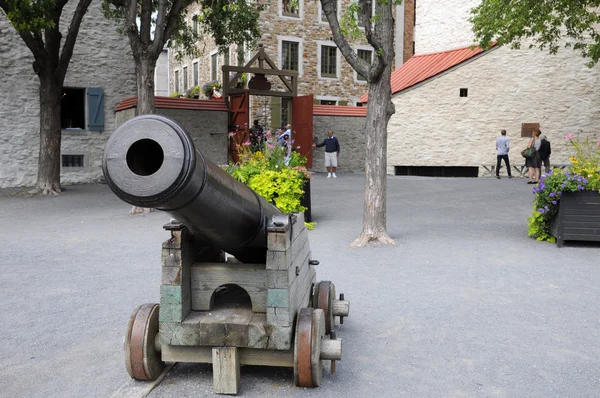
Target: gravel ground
464,305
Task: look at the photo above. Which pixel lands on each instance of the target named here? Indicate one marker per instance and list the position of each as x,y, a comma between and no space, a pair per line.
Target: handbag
528,153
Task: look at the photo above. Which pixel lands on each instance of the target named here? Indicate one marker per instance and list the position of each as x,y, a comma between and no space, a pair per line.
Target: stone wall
443,25
208,129
101,58
350,132
433,126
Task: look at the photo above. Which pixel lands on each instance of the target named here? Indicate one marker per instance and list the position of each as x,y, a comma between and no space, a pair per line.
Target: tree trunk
145,84
48,178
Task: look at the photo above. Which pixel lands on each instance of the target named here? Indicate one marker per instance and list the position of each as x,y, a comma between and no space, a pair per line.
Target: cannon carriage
238,277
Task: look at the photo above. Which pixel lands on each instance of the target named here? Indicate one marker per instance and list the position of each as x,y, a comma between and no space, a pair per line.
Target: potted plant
194,92
210,88
566,205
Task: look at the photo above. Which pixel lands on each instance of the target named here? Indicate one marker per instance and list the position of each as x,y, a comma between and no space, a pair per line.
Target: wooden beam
242,69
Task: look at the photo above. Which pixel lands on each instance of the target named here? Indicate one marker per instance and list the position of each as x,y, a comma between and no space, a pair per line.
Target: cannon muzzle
150,161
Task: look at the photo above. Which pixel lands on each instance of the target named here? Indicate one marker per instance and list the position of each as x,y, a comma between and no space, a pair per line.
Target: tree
379,32
163,20
546,24
38,24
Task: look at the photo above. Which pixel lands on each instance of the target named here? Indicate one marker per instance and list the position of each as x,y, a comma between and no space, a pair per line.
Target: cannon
238,278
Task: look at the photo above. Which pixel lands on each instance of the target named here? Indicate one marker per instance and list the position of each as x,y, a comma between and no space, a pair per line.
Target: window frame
185,76
176,86
196,73
300,41
321,14
86,116
320,45
328,98
362,48
215,54
284,15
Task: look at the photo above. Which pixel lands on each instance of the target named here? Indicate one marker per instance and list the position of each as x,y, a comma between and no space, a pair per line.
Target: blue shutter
95,100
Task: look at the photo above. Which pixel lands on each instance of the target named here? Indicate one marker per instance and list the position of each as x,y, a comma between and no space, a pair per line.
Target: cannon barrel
150,161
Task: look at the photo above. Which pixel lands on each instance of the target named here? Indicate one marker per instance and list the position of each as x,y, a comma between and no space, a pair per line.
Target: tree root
372,239
47,190
139,210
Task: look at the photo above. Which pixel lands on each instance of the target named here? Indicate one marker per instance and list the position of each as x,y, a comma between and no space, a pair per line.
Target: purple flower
541,211
579,187
546,207
542,186
585,181
560,192
554,202
552,194
567,173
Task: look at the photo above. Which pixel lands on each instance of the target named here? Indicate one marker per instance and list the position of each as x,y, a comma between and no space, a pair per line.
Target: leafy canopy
31,15
546,24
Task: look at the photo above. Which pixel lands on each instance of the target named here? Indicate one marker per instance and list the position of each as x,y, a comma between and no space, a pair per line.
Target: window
464,92
72,114
289,10
289,55
195,26
328,102
226,57
82,108
365,55
196,71
328,61
286,111
185,78
176,81
214,64
72,160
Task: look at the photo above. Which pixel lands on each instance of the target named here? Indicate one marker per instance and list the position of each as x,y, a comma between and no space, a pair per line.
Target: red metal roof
335,110
177,103
422,67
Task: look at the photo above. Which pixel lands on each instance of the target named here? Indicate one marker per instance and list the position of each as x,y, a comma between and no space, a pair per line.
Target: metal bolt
341,317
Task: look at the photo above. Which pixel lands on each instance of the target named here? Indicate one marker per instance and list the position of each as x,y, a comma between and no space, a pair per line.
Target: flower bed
271,173
582,175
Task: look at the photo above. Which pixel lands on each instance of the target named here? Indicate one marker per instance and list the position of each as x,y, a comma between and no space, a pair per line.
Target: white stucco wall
101,58
443,25
433,126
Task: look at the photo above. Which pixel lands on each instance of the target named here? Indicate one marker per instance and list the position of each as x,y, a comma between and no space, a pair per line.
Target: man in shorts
332,152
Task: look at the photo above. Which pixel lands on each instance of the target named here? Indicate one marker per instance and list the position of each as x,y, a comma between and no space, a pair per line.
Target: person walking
545,151
534,163
256,137
502,149
332,152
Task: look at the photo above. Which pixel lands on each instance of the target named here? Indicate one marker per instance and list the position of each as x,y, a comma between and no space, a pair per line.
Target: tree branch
376,67
172,19
146,22
67,50
359,65
132,30
159,33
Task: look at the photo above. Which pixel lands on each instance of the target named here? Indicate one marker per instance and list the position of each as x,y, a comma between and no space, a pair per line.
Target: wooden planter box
578,217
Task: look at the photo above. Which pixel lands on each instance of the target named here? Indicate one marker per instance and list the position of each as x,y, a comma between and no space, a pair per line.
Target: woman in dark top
534,163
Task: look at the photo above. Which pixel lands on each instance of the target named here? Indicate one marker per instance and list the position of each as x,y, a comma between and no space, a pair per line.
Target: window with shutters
185,78
82,109
367,56
196,72
176,78
328,61
289,55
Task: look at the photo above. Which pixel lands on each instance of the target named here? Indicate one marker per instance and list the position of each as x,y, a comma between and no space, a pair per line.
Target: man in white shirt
502,148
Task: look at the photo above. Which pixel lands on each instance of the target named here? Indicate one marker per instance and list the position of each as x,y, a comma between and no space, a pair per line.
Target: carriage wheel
323,298
310,328
142,360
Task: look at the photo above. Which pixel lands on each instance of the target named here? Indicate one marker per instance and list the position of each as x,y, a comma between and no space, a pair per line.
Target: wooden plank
175,303
281,338
226,370
278,241
247,356
298,226
278,298
279,259
206,277
301,260
278,279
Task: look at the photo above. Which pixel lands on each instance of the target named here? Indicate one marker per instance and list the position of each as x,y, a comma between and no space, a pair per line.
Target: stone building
296,39
100,75
452,102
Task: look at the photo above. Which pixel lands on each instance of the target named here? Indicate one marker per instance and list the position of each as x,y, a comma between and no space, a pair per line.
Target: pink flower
247,143
268,134
232,134
270,146
598,143
569,136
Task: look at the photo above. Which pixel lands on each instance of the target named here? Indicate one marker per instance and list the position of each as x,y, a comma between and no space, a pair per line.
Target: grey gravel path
465,305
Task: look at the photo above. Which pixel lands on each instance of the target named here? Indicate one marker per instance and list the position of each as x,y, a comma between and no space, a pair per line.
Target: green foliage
209,87
271,174
175,95
195,91
230,21
583,174
30,15
546,23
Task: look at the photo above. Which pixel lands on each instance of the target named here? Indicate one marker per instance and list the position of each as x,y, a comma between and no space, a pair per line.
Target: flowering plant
271,173
210,87
583,174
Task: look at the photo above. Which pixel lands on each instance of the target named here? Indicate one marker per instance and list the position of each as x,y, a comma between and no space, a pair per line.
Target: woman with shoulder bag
534,163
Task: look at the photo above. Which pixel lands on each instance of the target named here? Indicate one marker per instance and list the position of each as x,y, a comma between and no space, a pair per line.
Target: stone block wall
350,132
101,58
434,126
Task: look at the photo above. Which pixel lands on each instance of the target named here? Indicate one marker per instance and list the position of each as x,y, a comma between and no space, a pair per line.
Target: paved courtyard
465,305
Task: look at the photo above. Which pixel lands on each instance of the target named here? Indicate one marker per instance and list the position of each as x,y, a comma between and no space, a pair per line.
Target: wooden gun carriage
238,279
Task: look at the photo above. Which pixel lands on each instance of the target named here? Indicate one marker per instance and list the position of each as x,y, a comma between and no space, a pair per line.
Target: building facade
295,39
100,75
449,121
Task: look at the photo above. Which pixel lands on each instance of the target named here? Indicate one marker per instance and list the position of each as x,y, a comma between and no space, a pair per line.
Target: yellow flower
573,160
